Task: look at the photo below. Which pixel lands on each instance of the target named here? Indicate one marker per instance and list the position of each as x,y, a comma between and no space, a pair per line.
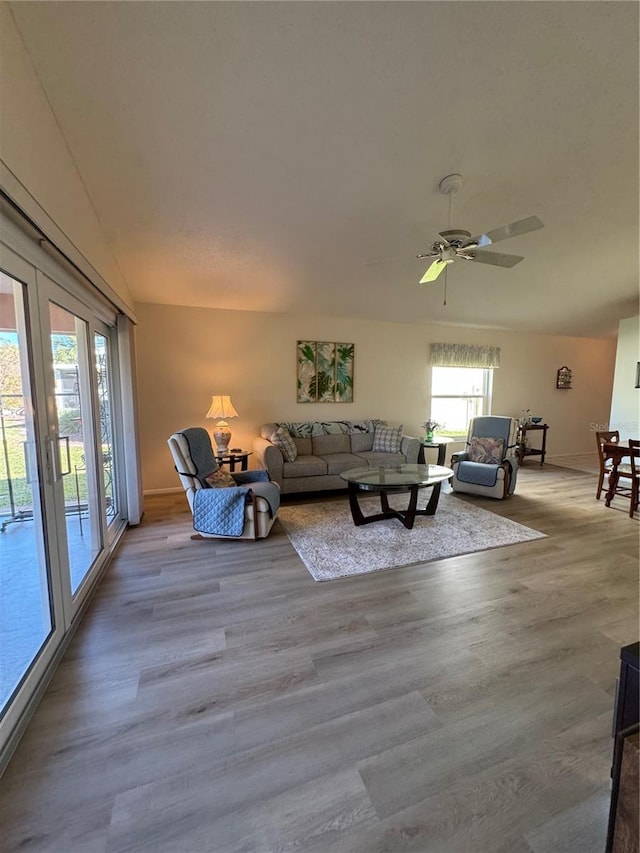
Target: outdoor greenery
13,451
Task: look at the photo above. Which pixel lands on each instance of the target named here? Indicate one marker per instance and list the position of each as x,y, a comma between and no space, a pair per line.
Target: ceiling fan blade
522,226
496,259
434,271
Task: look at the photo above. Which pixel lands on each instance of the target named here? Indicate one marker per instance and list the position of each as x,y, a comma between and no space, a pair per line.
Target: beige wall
186,354
625,403
37,170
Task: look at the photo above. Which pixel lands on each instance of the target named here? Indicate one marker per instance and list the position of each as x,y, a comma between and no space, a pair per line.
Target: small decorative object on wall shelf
563,379
324,372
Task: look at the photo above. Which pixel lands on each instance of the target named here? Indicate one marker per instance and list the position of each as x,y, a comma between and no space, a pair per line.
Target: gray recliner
489,465
246,510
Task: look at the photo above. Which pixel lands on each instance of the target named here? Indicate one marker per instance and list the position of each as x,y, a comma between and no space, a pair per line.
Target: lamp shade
221,407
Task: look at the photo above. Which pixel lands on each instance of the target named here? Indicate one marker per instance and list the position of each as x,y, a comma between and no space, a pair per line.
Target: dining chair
602,438
628,476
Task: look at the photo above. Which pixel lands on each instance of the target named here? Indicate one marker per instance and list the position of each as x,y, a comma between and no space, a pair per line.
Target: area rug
331,546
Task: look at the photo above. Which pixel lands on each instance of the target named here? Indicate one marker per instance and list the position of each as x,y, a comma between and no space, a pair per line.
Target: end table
233,457
439,441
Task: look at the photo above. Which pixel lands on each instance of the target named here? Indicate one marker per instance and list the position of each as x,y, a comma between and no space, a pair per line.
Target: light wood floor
217,699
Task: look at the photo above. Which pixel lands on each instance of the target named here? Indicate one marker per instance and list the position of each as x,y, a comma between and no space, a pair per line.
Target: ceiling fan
455,243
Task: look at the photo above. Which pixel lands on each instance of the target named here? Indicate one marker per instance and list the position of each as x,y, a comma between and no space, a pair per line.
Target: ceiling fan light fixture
457,235
458,243
451,183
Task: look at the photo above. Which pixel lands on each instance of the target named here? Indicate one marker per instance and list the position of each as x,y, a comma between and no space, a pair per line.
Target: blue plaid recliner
245,510
489,465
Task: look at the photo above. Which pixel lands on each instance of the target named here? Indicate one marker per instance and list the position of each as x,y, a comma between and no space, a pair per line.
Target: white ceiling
285,157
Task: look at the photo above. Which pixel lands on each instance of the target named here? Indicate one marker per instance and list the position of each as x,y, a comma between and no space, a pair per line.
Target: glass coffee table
392,479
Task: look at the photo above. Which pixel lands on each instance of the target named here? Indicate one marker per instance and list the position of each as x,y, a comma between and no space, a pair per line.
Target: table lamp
221,407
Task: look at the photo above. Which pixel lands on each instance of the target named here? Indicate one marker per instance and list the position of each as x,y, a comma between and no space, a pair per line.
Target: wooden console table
521,446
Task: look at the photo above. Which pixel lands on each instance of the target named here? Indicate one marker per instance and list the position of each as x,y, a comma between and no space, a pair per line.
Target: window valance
464,355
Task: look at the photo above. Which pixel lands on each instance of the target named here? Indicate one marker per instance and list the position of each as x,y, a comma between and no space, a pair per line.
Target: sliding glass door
60,502
73,439
81,429
27,612
103,356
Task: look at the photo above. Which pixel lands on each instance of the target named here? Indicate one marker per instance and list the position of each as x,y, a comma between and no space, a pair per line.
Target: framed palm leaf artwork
324,372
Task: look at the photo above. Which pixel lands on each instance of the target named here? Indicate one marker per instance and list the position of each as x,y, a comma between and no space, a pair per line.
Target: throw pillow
220,479
282,439
387,439
487,450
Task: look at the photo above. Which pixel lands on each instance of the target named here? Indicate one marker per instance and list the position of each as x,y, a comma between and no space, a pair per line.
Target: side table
521,448
234,457
439,441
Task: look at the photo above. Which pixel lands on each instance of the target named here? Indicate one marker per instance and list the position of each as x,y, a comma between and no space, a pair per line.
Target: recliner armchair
245,510
489,465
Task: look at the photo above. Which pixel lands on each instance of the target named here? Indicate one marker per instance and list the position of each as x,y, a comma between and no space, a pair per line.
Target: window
459,394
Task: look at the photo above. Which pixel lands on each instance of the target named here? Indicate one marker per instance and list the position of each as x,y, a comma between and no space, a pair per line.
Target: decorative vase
429,435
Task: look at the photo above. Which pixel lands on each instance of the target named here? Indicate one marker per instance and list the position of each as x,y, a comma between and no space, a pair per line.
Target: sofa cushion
303,445
323,444
339,462
361,441
374,459
486,450
282,439
305,466
387,439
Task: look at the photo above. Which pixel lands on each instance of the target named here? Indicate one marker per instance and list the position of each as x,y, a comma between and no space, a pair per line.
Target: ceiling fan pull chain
446,269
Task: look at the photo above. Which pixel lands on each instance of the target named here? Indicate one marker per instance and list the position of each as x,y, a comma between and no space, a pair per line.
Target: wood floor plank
216,699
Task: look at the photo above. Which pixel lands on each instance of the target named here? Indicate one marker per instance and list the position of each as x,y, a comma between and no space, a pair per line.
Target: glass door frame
50,292
25,261
23,272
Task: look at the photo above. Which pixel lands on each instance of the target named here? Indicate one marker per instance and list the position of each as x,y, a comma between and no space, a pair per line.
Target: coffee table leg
407,517
356,512
433,500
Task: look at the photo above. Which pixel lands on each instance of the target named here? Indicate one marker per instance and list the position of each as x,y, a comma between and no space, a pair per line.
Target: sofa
309,456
